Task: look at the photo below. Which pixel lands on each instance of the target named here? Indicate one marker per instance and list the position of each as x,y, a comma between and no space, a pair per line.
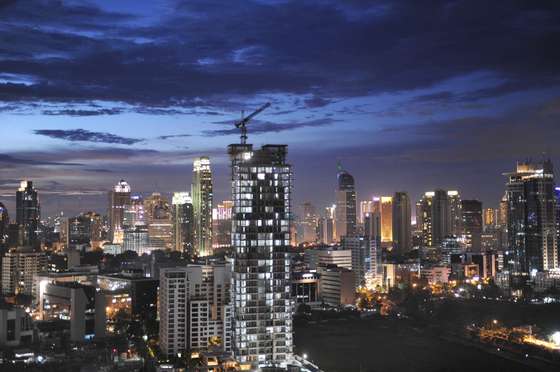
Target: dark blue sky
408,95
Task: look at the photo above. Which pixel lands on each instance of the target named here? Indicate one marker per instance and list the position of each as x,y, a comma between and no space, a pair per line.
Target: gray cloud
82,135
260,127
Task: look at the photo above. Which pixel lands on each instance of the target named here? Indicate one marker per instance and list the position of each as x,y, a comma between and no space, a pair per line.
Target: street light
304,356
556,338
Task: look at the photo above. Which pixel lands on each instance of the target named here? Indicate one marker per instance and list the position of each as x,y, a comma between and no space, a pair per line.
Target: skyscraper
472,224
402,231
438,215
28,212
159,221
221,230
309,222
182,217
345,219
119,200
386,208
202,195
490,217
134,214
531,226
261,219
4,223
366,206
455,214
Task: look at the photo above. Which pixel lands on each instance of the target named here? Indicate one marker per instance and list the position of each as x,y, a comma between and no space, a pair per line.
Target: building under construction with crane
261,219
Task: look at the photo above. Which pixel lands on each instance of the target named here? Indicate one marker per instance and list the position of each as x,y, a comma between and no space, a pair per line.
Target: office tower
326,230
386,207
119,201
327,226
309,222
221,221
325,256
490,220
360,248
19,266
424,218
137,239
366,207
195,309
4,223
183,224
134,214
345,212
472,224
159,221
337,286
402,230
201,191
455,222
503,212
532,238
440,217
261,219
28,212
87,228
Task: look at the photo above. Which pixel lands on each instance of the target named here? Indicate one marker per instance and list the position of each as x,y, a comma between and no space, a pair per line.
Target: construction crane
245,120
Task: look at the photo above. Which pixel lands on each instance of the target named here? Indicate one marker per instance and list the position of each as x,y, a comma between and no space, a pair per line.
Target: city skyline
387,110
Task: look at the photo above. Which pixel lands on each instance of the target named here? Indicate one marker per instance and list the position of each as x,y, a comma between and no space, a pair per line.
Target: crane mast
242,124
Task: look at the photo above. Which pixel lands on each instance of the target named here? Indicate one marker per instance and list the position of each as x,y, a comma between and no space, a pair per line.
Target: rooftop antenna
244,121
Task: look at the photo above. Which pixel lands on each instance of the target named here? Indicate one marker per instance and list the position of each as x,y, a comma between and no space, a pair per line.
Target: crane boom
244,121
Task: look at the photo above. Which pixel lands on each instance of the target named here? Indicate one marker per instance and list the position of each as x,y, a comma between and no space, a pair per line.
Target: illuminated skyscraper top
119,201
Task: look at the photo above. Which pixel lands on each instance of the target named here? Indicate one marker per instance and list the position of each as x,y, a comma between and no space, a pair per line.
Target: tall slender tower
472,224
386,208
119,201
201,191
261,221
402,232
183,223
345,219
28,212
531,226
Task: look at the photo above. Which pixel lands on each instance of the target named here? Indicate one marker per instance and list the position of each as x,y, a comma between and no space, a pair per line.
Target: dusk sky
407,95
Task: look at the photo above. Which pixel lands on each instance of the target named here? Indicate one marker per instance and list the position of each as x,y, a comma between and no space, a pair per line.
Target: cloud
11,160
82,112
260,127
316,102
84,53
82,135
173,136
